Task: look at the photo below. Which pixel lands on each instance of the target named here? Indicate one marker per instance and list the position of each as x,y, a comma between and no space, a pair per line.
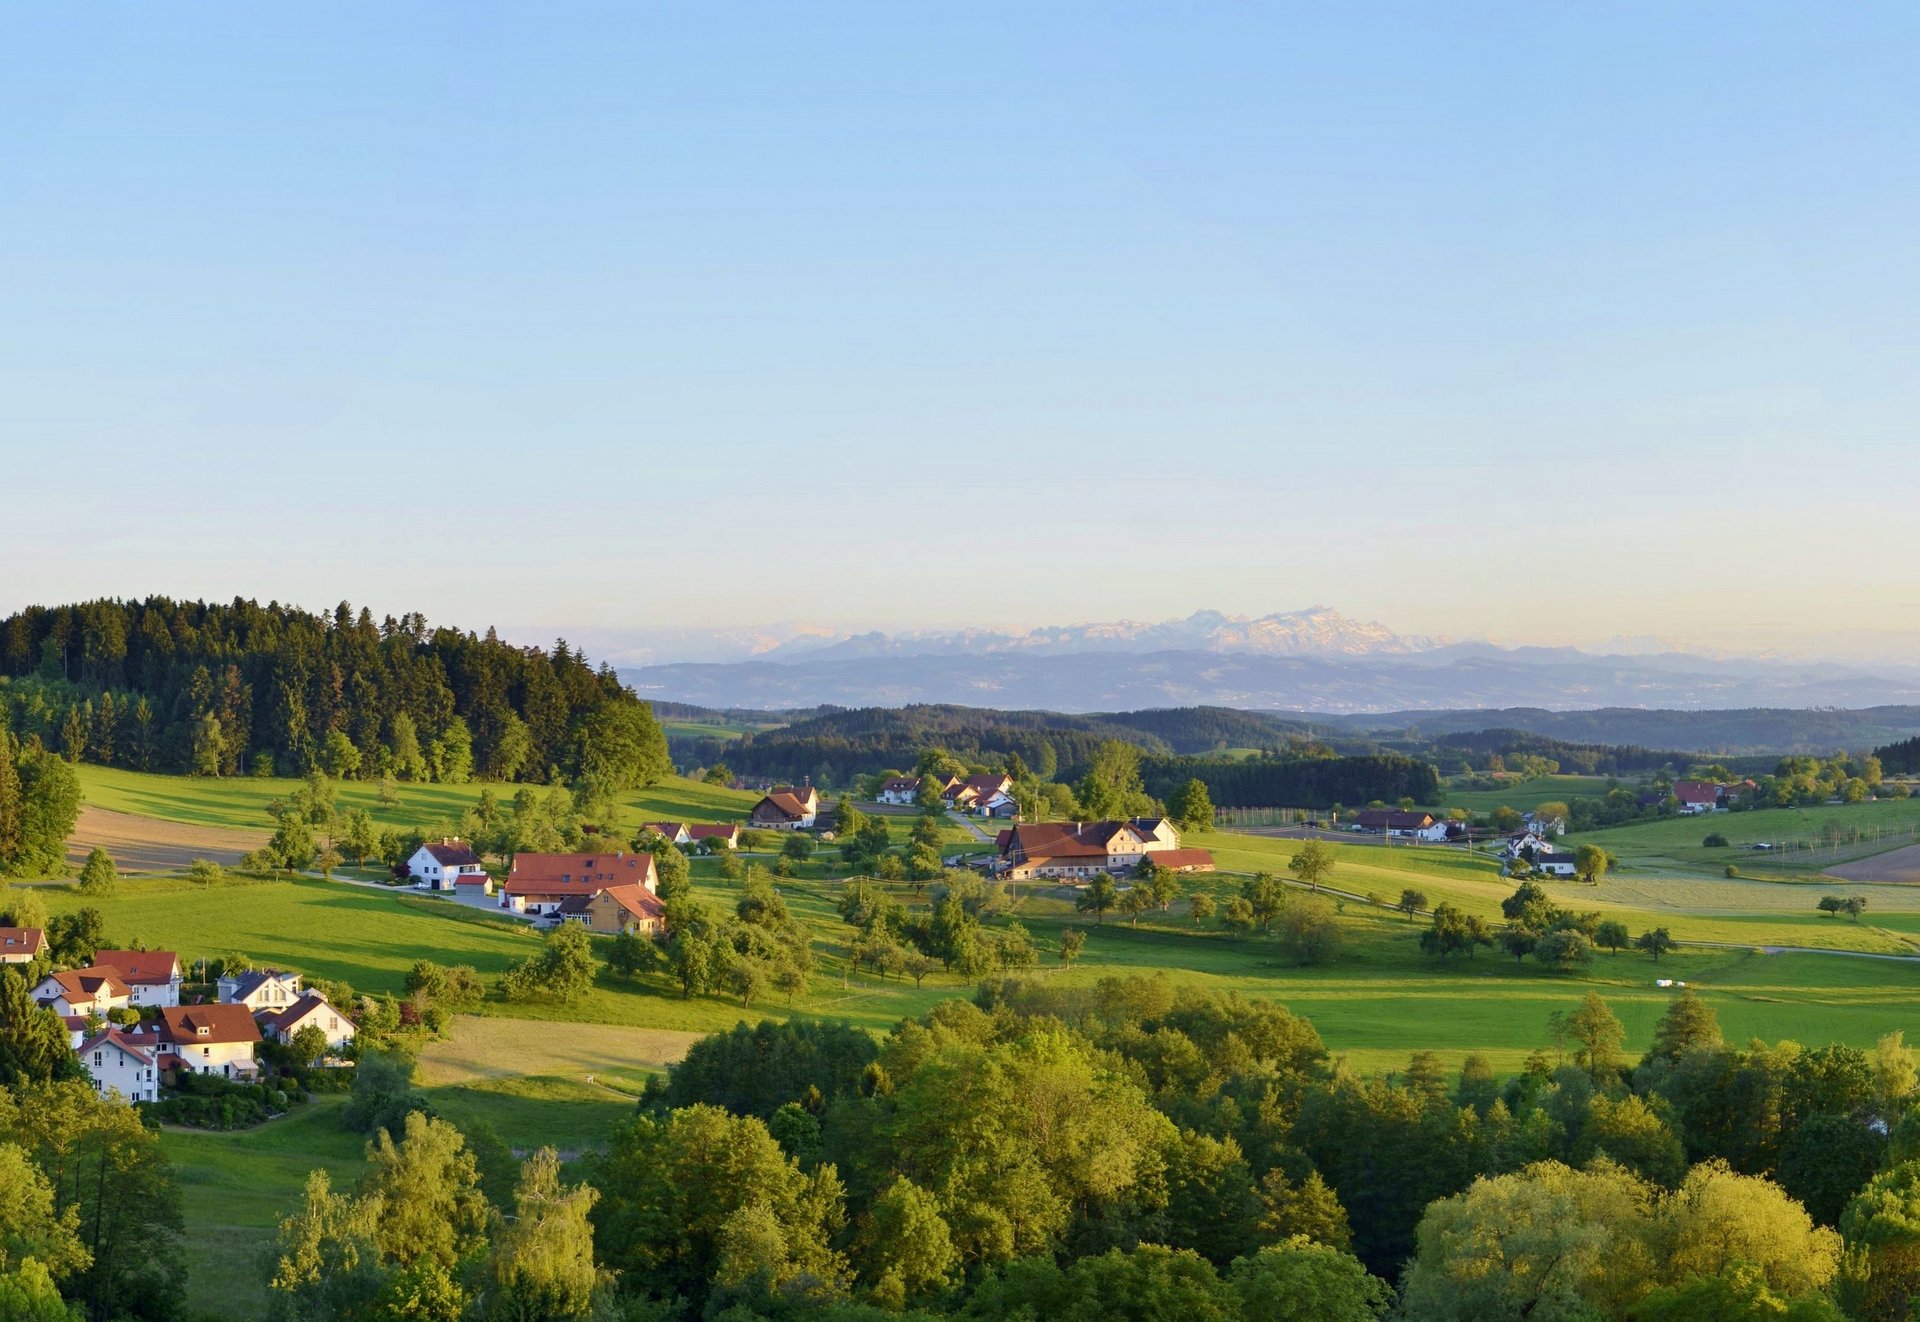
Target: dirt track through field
147,844
1895,865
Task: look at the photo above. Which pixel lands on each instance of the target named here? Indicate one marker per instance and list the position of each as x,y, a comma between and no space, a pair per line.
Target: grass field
1821,836
563,1075
236,1186
243,800
1524,795
540,1073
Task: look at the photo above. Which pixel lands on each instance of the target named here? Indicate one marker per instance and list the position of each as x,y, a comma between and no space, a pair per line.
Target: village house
262,989
540,884
123,1063
629,908
901,791
443,865
1403,823
786,809
312,1008
152,976
674,833
1182,860
727,834
21,945
1076,851
1555,862
82,992
1696,796
208,1039
985,796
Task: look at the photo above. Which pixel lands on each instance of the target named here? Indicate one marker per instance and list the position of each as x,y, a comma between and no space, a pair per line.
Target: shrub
1732,871
1716,841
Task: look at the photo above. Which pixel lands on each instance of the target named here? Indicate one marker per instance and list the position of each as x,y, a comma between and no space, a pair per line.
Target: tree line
245,688
1129,1149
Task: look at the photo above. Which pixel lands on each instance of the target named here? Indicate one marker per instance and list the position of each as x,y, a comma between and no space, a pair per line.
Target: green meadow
243,800
562,1075
1525,795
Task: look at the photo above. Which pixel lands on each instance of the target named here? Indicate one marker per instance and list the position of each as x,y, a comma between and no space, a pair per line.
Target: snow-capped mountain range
1308,660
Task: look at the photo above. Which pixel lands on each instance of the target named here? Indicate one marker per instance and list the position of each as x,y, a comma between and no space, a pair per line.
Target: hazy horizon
1541,325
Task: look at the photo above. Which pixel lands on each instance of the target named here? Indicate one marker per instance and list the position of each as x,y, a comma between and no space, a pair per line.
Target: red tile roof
1696,791
140,968
81,986
181,1024
1053,840
1181,858
671,830
22,940
576,874
637,900
786,803
717,831
141,1049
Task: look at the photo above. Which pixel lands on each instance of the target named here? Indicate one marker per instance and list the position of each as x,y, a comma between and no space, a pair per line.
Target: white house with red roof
21,945
725,835
674,833
83,992
1696,796
208,1039
152,976
123,1063
1077,851
539,884
441,865
899,790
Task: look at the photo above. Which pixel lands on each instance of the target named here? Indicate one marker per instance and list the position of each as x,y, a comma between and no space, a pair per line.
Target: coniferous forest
245,688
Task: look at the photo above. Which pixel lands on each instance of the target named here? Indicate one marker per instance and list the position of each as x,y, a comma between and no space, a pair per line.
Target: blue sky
1543,322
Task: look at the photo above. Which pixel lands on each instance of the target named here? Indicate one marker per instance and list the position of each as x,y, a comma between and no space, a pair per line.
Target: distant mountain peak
1315,631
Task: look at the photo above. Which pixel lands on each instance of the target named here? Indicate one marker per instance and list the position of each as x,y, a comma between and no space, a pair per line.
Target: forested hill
167,685
836,746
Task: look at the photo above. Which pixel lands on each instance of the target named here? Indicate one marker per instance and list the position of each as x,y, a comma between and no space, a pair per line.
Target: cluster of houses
1079,851
987,795
219,1038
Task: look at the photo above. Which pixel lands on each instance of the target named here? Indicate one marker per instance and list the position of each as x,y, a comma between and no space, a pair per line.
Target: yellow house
629,908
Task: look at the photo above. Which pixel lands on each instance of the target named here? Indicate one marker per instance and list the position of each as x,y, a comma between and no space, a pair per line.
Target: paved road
961,819
1802,950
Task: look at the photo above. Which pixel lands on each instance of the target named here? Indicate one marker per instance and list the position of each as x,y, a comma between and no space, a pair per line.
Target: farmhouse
726,833
265,989
123,1063
1555,862
900,790
311,1008
1074,851
1402,822
153,976
21,945
208,1039
83,992
441,866
786,809
675,833
1696,796
540,883
629,908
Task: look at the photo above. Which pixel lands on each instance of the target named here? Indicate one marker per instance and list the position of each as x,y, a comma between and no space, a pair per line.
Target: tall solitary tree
1312,863
98,877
